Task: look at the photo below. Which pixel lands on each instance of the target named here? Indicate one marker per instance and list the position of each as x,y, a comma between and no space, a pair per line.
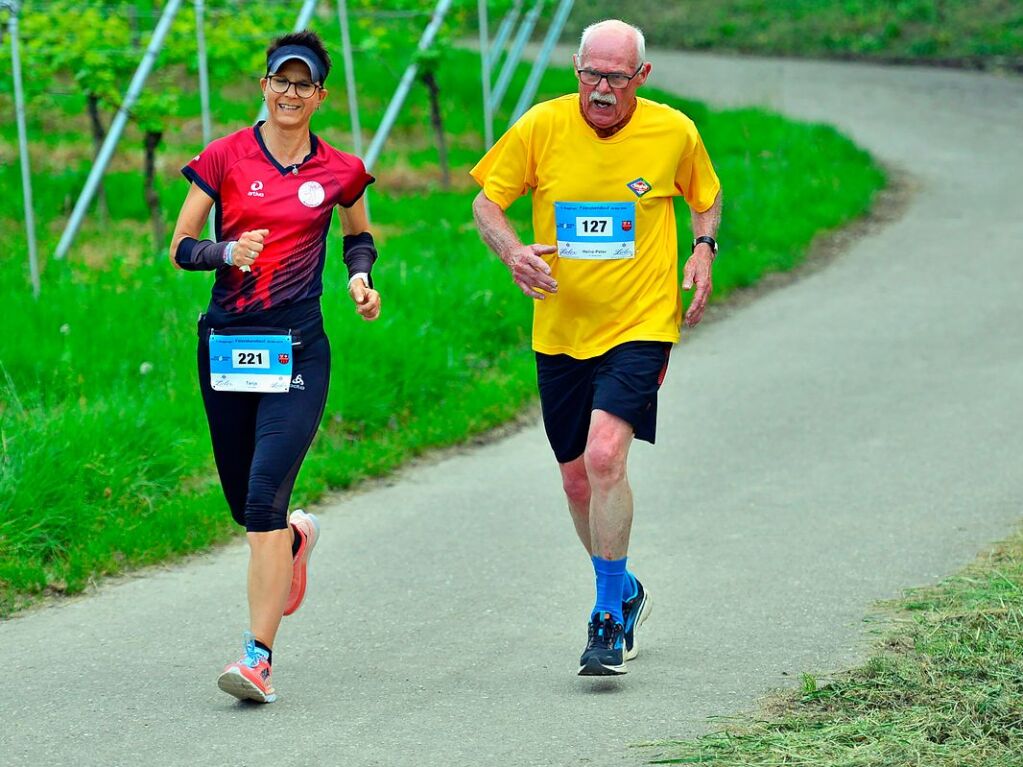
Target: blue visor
301,53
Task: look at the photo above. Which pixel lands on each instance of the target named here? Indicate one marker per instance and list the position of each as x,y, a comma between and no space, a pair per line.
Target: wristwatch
709,240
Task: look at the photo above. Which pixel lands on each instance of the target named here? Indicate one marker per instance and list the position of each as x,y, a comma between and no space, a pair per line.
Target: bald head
612,34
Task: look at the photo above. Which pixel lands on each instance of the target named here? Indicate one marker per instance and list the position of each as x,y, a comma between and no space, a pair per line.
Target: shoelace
252,655
601,634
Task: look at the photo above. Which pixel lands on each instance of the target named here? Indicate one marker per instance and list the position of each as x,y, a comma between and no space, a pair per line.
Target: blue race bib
596,230
256,362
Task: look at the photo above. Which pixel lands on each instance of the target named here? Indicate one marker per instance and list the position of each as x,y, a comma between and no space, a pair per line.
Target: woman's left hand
367,300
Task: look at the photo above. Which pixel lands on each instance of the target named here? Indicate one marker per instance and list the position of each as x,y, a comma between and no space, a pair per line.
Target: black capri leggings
260,440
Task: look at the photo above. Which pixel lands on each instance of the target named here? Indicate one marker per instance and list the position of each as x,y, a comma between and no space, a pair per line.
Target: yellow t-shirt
658,155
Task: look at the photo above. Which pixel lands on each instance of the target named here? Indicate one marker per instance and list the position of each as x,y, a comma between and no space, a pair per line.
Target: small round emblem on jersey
311,194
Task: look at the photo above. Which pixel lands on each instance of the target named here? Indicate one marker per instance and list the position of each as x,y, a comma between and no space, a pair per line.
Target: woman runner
264,360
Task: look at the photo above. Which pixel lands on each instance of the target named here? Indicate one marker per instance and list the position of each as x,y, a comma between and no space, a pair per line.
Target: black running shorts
260,440
623,381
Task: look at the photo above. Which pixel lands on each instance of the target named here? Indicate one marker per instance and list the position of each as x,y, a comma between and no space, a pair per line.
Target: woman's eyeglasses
303,88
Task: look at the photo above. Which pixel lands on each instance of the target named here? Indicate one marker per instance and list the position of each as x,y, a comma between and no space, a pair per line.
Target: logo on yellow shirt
639,187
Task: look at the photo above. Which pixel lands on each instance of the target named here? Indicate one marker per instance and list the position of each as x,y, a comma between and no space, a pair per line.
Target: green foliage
97,46
429,61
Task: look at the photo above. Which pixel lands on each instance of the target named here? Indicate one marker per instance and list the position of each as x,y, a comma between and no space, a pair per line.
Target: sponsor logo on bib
311,194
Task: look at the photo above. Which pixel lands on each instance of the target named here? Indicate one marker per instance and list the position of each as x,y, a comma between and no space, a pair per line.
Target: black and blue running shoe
635,611
605,648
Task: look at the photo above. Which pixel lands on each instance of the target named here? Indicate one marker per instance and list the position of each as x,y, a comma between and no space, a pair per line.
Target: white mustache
607,99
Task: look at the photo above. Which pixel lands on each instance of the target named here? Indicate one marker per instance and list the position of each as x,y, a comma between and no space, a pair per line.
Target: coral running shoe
249,678
308,530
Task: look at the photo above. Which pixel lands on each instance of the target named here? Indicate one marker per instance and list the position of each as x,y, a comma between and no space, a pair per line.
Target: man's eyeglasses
303,88
614,79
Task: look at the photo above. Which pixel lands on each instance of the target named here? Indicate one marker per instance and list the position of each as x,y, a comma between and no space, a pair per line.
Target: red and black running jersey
296,203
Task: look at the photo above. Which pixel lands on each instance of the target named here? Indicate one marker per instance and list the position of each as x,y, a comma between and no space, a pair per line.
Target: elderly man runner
603,167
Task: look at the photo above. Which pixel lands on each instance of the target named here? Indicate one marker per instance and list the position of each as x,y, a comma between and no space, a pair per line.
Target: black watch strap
707,239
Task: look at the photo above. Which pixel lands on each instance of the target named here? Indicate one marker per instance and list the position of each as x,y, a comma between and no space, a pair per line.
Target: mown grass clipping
944,689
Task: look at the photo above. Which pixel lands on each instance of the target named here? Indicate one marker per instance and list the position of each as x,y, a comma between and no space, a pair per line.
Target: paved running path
833,442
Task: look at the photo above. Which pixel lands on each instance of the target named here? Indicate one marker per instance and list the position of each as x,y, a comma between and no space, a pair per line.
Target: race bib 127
595,230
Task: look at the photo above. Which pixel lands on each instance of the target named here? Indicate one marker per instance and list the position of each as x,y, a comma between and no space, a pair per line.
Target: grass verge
943,689
105,461
980,33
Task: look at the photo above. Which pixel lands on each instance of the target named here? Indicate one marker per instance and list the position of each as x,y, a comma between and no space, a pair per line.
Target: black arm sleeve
200,255
360,253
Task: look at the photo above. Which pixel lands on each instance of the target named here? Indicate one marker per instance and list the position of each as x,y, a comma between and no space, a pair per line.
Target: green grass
104,467
944,689
975,33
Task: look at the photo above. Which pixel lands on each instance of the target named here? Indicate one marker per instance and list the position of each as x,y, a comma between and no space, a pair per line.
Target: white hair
614,24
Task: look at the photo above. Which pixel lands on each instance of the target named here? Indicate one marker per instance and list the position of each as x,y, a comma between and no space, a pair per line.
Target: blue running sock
629,589
610,582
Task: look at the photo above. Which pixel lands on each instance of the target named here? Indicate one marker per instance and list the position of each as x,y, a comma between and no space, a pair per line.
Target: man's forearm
494,228
707,223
